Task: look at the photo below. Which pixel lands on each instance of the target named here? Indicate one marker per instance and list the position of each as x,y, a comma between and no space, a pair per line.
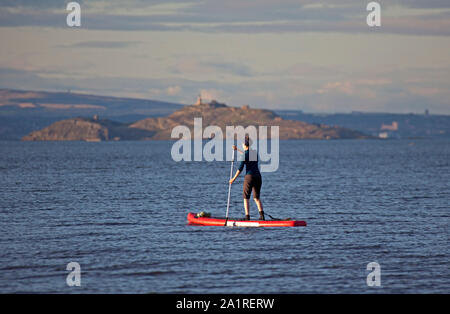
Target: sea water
118,210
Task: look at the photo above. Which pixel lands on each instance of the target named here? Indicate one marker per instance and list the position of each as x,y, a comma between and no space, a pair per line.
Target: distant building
390,127
213,103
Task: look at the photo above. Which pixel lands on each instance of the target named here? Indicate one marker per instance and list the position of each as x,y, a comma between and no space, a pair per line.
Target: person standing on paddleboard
252,179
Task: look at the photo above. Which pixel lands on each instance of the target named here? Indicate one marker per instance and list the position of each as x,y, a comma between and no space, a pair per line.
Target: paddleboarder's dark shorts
254,183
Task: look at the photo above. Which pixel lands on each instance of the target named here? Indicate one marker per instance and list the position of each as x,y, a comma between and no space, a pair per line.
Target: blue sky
317,56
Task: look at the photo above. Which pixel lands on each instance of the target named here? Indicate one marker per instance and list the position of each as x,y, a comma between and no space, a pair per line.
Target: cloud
381,92
428,91
362,86
437,25
428,4
307,70
345,87
229,67
41,4
191,65
268,5
231,16
101,44
173,90
34,80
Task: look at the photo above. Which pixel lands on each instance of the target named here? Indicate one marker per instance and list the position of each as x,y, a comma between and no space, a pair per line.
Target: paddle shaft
229,188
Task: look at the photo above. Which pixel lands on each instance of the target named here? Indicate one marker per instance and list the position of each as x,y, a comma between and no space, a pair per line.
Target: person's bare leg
259,204
247,208
260,208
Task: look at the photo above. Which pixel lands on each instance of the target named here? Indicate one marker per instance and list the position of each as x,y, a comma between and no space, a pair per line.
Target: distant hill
85,129
390,125
160,128
24,111
222,116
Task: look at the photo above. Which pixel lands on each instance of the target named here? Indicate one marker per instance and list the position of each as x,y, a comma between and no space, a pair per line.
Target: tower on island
211,104
199,100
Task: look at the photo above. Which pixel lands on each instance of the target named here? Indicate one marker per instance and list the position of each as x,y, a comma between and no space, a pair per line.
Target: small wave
149,273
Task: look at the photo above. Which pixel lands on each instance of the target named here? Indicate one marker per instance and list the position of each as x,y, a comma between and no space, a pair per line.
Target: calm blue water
119,210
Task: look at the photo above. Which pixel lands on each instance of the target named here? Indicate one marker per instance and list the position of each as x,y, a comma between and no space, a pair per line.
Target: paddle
229,188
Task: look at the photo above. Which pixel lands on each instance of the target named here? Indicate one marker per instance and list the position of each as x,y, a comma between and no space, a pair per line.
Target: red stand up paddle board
193,219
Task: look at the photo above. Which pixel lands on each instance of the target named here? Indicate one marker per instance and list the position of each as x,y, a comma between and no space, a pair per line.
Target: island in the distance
212,113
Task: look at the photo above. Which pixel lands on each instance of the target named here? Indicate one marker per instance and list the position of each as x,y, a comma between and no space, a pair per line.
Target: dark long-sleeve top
251,167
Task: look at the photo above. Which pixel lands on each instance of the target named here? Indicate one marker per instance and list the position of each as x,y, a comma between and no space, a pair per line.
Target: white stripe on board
242,224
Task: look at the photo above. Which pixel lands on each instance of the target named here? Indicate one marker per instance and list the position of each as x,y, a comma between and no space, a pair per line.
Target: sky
315,56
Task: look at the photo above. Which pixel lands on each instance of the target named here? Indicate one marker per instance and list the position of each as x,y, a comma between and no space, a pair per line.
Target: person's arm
238,172
235,176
